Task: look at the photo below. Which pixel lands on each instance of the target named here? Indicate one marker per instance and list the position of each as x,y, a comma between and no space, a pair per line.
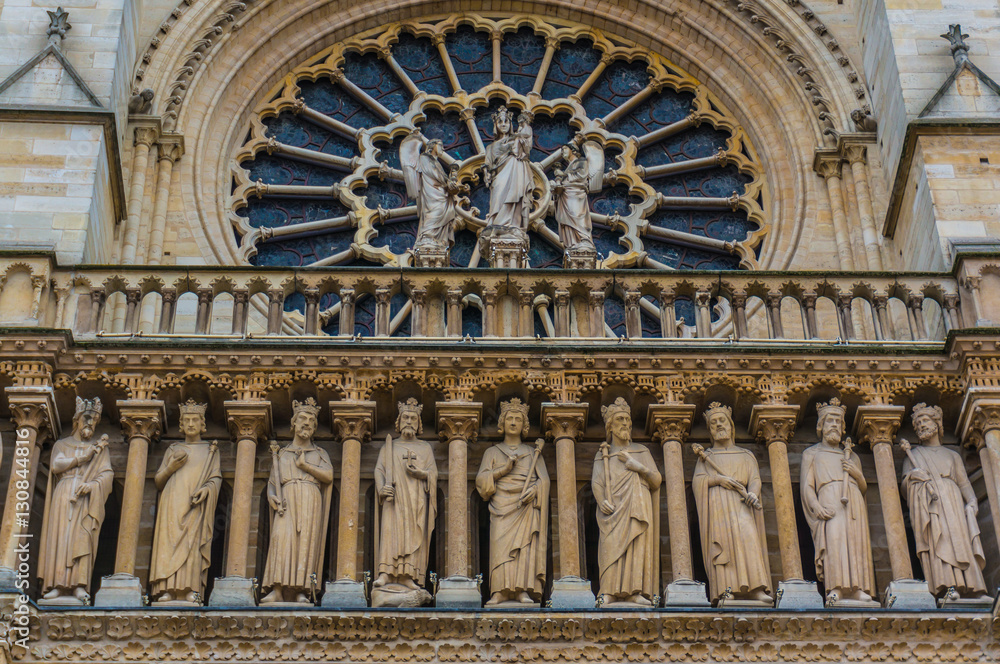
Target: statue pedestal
971,603
798,595
344,594
430,257
685,593
580,259
458,592
909,594
572,592
504,247
120,591
232,591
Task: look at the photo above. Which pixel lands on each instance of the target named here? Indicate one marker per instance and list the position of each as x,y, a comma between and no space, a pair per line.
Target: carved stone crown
830,408
716,407
514,405
923,410
410,406
192,407
308,406
619,406
88,406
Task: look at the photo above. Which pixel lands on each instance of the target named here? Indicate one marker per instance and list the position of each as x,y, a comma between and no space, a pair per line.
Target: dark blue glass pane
332,326
398,236
397,302
275,212
330,99
295,302
420,59
683,258
373,75
614,315
364,315
292,130
389,152
384,193
711,183
571,65
541,254
651,328
451,131
484,120
479,198
461,251
302,251
660,110
272,169
613,200
721,225
550,134
539,327
521,56
472,322
684,311
607,241
619,83
472,56
702,141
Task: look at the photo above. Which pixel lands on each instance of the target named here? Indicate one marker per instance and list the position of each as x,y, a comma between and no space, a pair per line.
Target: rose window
319,182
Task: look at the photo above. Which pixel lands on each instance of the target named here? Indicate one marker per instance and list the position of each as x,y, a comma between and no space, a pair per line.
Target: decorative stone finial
959,49
58,26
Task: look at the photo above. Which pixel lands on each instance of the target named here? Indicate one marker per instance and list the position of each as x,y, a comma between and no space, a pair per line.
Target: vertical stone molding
774,425
670,424
856,154
565,423
249,422
353,422
145,136
33,410
142,423
979,426
458,425
876,426
828,167
171,147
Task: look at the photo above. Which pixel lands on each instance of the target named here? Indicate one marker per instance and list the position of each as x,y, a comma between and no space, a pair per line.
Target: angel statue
572,204
433,189
508,171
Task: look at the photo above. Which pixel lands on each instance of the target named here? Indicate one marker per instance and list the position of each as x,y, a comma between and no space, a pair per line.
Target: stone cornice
564,420
874,425
459,420
773,423
672,421
142,418
248,420
35,407
352,420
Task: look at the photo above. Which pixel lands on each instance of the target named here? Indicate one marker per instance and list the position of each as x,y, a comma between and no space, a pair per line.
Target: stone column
876,425
458,425
33,410
142,422
145,136
249,421
829,169
353,422
566,422
454,322
856,155
774,426
980,423
670,424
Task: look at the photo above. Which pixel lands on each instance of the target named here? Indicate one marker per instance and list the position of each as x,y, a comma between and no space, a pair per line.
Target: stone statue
572,204
943,509
626,485
429,185
189,479
833,498
508,171
406,486
79,483
513,478
298,491
726,487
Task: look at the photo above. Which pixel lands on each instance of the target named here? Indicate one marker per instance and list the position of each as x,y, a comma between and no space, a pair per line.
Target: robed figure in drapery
406,487
943,510
726,488
189,478
626,486
298,492
833,498
80,481
508,171
572,203
428,184
513,478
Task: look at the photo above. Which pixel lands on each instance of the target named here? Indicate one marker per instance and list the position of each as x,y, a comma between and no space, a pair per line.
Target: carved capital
564,420
352,420
875,425
459,420
552,42
142,418
669,421
35,408
773,423
827,164
855,153
145,136
248,420
171,147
